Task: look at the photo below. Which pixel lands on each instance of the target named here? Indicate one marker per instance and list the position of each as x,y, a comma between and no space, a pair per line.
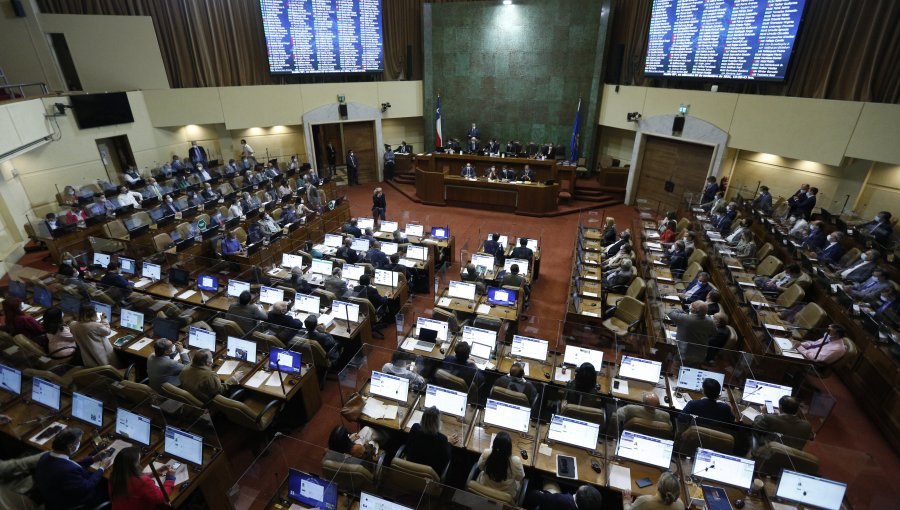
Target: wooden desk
752,501
449,424
638,471
546,462
403,412
536,370
480,438
534,199
303,386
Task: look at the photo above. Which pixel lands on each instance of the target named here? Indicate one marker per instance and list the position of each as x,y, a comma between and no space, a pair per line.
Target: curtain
846,50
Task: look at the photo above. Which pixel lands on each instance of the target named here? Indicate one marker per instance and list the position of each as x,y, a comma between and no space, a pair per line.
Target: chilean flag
438,137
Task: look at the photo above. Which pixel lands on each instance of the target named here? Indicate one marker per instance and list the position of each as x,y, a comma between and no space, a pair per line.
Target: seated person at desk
468,171
268,225
363,445
708,410
51,222
169,206
763,201
887,301
19,322
335,284
401,366
712,302
194,199
500,469
249,202
351,228
861,269
719,339
515,381
609,233
585,497
780,281
737,234
298,281
513,278
368,235
73,279
522,251
126,198
316,331
255,234
426,444
491,174
209,193
102,207
723,222
62,482
693,333
624,238
284,190
346,252
459,363
16,479
279,316
231,245
668,490
678,259
397,267
826,350
527,174
816,238
647,411
493,146
60,342
470,274
879,228
785,426
492,245
583,388
798,227
668,236
689,238
620,277
832,251
235,210
376,257
473,145
116,281
92,336
507,174
698,289
166,363
625,253
244,309
77,216
201,381
131,489
746,247
365,289
871,288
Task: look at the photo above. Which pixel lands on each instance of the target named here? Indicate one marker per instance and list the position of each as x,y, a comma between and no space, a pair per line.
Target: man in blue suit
816,238
468,171
697,289
64,483
723,224
473,132
709,191
832,252
805,204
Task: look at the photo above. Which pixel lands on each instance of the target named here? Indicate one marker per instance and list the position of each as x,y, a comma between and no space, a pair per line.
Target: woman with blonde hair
667,497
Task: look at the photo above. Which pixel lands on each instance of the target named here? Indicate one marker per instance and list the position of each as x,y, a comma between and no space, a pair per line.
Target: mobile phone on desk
770,409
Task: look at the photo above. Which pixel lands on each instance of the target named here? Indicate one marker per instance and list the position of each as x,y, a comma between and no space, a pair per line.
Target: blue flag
573,144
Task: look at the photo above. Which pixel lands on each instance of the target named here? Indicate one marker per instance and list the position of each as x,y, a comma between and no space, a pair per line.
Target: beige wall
394,131
617,143
882,191
280,141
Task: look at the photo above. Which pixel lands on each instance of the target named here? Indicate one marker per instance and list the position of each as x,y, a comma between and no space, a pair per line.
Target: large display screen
323,36
724,39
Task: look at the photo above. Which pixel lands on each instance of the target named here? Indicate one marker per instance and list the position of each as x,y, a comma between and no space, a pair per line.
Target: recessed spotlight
507,2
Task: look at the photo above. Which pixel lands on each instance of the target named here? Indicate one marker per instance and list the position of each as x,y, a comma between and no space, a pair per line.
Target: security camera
633,116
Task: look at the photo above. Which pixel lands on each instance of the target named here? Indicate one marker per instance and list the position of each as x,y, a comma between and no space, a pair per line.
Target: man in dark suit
763,202
513,278
548,151
365,289
336,284
169,206
351,228
468,171
678,260
527,174
708,411
492,245
522,251
697,289
64,483
352,168
785,427
585,497
861,269
473,132
723,224
531,149
376,257
871,288
816,238
347,253
116,281
709,191
331,156
879,228
493,146
404,148
513,147
832,252
798,195
197,154
624,237
507,174
804,205
472,146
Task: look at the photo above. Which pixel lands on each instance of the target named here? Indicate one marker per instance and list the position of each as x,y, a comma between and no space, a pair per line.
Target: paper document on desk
792,354
273,272
590,277
664,279
186,294
672,297
228,367
276,378
783,343
256,379
561,376
671,335
375,409
444,301
588,294
623,386
654,246
732,266
776,327
140,344
483,309
760,304
698,209
620,477
651,235
746,284
750,413
118,444
181,475
659,263
143,282
589,314
409,344
408,262
545,449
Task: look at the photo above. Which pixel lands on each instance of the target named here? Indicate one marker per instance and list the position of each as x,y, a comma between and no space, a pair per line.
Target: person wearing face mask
201,381
127,197
798,195
64,483
268,225
155,190
886,301
166,363
816,238
869,289
880,228
862,268
201,171
209,193
826,350
780,281
709,190
177,165
255,234
804,205
197,154
832,251
723,225
799,226
737,234
717,205
763,202
169,206
678,259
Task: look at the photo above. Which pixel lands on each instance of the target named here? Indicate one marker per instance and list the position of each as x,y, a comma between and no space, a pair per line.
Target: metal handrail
21,86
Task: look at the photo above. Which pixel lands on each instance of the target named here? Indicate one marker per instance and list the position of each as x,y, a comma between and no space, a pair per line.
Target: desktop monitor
577,356
311,491
645,449
102,309
238,348
640,369
364,223
45,393
369,502
42,296
101,259
306,303
333,240
127,266
87,409
462,290
527,347
178,276
532,244
503,240
284,360
352,271
17,289
758,392
199,338
413,229
320,266
810,490
166,328
183,445
132,320
236,287
583,434
10,379
727,469
208,283
387,278
270,295
522,263
472,335
345,311
289,260
485,261
360,244
416,252
69,303
389,386
151,271
507,416
133,426
389,248
440,233
446,400
501,296
440,327
388,226
691,379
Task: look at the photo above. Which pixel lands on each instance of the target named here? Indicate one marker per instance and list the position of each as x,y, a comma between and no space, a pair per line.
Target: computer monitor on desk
270,295
133,426
102,309
101,259
333,240
503,240
759,392
645,449
166,328
416,252
502,297
352,271
440,233
527,347
363,223
240,349
388,226
306,303
389,386
440,327
10,379
462,290
485,261
127,266
446,400
640,369
87,409
472,335
571,431
691,379
522,263
208,283
236,287
507,416
343,310
151,271
320,266
70,303
311,491
389,248
360,244
290,260
132,320
387,278
183,445
199,338
370,502
414,229
727,469
284,360
810,490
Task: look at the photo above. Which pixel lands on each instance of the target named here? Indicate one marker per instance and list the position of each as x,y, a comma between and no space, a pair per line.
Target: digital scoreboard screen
323,36
722,39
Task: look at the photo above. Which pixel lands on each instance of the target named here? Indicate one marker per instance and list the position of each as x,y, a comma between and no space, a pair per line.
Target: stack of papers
620,477
623,386
140,344
186,294
143,282
483,309
378,410
181,475
228,367
255,380
444,301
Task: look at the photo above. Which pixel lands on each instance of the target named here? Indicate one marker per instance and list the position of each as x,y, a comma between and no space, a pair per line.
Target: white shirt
236,210
800,225
248,151
849,270
130,198
736,235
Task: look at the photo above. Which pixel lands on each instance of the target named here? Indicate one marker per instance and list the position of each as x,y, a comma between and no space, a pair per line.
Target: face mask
830,239
792,219
876,219
864,257
884,299
76,446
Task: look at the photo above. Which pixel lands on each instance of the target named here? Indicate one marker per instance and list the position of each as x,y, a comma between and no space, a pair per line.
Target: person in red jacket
19,322
668,236
130,489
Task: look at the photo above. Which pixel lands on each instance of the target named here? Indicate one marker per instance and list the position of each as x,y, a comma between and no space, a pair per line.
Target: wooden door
682,163
360,137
